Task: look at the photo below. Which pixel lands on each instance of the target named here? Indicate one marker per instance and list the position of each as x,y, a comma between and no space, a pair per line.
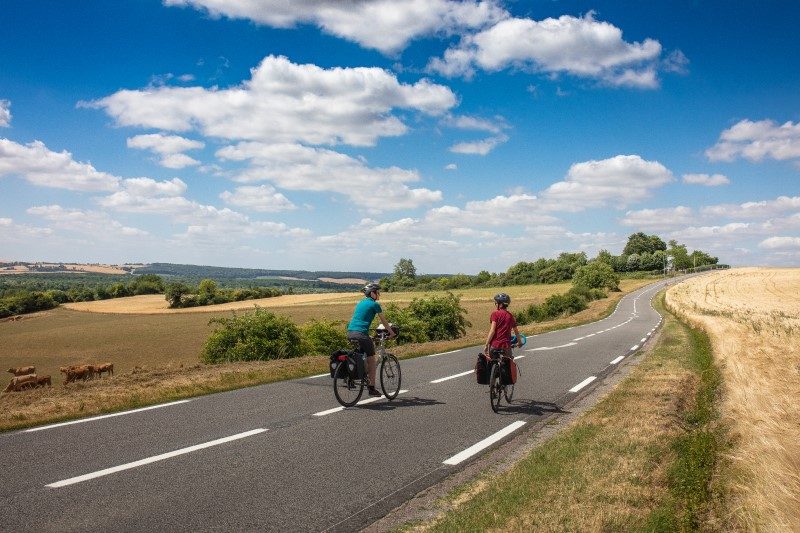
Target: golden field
752,317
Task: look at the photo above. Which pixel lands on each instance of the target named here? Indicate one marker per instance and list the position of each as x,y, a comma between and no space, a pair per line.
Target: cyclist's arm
386,325
519,338
490,336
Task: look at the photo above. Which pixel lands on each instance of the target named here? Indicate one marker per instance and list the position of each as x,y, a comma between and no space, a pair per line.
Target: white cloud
296,167
93,223
618,181
46,168
781,243
523,209
466,122
714,180
761,209
5,113
386,25
285,102
169,147
11,231
262,198
451,166
660,219
581,46
482,147
755,141
734,229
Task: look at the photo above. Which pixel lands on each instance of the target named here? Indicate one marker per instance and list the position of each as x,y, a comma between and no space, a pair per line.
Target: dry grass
753,319
610,471
170,344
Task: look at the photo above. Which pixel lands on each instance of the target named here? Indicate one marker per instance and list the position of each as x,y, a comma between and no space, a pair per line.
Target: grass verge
642,459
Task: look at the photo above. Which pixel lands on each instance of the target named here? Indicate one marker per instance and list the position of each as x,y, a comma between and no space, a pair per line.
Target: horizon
466,136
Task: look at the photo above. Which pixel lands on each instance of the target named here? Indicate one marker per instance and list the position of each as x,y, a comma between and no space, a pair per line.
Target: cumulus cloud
481,147
297,167
43,167
466,122
580,46
660,219
262,198
386,25
618,181
761,209
780,243
91,223
285,102
169,147
714,180
755,141
11,231
451,166
5,113
524,209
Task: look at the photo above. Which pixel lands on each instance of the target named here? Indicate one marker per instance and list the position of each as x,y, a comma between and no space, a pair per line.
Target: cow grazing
74,373
105,367
19,383
41,381
23,370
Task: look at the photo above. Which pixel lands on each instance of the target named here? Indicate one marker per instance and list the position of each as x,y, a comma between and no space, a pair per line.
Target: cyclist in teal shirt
358,329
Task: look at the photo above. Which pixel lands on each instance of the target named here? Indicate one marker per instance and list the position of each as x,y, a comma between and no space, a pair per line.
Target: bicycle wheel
508,392
346,389
495,387
390,376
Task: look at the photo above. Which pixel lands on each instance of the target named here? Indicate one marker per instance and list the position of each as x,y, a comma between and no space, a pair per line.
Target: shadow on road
530,407
401,402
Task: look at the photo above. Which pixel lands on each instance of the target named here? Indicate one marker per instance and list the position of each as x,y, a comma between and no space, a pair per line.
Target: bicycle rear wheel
495,387
390,376
346,389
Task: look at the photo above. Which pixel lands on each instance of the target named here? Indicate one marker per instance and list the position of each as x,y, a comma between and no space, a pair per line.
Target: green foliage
174,293
558,305
256,336
431,318
596,275
412,329
321,337
639,243
146,284
25,302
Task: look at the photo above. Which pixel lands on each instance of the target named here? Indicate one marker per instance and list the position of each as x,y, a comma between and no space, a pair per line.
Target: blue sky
344,135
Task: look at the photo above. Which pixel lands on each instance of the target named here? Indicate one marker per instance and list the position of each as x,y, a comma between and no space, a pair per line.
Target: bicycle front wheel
346,389
390,376
495,387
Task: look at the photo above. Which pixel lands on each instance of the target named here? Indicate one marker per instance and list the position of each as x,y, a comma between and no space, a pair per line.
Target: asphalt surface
276,458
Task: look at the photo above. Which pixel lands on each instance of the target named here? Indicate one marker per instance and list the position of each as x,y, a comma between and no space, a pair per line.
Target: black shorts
365,344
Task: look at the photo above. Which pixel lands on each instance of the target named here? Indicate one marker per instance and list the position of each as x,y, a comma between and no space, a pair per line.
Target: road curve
283,457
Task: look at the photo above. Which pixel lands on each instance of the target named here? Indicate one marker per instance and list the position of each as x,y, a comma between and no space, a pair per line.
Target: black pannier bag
360,362
482,369
335,358
508,371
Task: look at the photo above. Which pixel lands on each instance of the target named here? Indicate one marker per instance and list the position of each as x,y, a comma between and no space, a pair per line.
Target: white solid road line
552,347
319,376
618,359
155,458
634,347
443,353
485,443
582,384
93,418
453,376
362,402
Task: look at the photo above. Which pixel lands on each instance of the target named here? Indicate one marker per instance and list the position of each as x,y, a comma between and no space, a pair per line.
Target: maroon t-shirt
504,323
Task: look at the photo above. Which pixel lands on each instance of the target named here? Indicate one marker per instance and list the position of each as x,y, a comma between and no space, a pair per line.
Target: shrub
596,275
412,329
442,317
321,337
256,336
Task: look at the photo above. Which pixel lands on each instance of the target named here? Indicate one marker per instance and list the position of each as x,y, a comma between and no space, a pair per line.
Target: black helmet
369,287
502,298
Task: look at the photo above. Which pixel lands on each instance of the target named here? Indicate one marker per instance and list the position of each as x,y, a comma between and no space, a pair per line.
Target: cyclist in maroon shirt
502,324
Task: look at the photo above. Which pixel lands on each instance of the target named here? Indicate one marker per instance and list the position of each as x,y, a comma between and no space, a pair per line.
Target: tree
639,243
405,269
596,275
680,257
174,293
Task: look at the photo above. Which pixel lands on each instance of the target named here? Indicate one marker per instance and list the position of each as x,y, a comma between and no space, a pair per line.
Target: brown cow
105,367
22,370
41,381
19,383
74,373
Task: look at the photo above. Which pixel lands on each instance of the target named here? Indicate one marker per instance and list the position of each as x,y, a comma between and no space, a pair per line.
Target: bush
256,336
321,337
412,329
442,317
596,275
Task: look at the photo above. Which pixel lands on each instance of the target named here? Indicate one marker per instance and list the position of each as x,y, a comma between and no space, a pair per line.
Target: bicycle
350,375
501,384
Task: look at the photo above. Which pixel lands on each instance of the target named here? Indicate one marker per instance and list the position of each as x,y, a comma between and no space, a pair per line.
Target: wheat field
753,319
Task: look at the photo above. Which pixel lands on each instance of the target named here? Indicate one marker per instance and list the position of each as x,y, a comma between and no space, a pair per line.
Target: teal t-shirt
363,315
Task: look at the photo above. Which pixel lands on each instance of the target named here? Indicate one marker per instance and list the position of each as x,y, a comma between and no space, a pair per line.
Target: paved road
281,457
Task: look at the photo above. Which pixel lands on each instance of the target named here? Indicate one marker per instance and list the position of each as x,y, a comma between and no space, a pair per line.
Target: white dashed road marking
551,347
453,376
618,359
485,443
93,418
582,384
362,402
153,459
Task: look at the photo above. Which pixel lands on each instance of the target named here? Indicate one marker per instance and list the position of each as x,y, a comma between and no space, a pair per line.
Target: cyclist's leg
366,346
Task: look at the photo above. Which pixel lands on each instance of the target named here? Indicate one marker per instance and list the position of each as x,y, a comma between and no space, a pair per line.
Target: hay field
753,319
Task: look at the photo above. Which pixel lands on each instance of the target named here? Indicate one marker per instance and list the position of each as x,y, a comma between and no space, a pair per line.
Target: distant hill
221,273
